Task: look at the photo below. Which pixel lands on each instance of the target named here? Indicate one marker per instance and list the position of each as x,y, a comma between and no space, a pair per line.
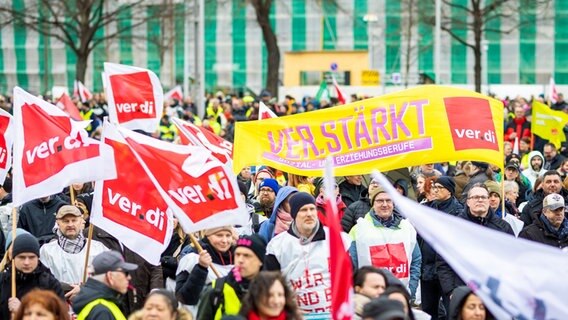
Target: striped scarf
72,246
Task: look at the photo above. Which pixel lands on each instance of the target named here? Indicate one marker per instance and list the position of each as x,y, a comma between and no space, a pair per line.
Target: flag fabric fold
264,112
64,103
548,124
81,91
340,96
552,92
175,93
515,278
193,135
6,143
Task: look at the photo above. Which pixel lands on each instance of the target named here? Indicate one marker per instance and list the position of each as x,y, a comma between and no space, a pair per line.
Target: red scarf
253,316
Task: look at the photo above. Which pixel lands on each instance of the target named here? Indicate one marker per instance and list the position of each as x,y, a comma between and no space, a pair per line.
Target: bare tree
75,23
262,10
475,18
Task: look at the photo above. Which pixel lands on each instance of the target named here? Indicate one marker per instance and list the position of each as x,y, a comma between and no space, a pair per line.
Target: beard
266,203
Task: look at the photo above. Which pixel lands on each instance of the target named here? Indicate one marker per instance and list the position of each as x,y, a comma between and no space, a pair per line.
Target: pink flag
552,92
52,150
69,107
175,93
135,97
339,261
340,95
193,135
264,112
6,142
81,91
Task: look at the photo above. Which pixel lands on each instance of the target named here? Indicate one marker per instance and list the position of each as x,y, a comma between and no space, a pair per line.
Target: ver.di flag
129,207
264,112
200,190
515,278
190,134
175,93
6,142
135,97
81,91
52,150
64,103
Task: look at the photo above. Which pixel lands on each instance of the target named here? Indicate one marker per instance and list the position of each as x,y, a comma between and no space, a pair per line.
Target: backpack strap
219,296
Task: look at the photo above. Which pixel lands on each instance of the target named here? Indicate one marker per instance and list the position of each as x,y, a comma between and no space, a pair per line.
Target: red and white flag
339,94
264,112
6,142
130,208
552,92
339,260
52,150
64,103
134,95
200,190
175,93
193,135
79,90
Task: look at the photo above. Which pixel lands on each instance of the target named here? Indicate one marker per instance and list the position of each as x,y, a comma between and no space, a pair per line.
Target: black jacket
190,285
449,280
350,192
555,163
206,309
92,290
169,258
38,218
356,210
539,233
40,278
429,255
534,207
459,296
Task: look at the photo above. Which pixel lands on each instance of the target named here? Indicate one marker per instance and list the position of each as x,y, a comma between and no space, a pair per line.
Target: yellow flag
425,124
548,124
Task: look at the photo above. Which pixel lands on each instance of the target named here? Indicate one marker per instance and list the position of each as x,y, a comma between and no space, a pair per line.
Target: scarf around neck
283,221
304,240
561,233
72,246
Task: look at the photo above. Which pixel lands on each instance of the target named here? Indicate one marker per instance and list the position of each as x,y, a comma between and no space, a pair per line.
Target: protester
38,217
553,160
161,304
399,293
513,173
551,226
479,173
269,297
225,294
385,240
193,272
465,305
170,257
42,305
302,183
359,208
321,203
267,190
551,183
384,308
255,219
64,256
99,297
30,274
519,127
368,283
351,189
280,219
302,254
535,167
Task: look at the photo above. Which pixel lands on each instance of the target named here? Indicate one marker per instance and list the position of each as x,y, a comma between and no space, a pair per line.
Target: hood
94,289
533,154
283,193
458,298
403,184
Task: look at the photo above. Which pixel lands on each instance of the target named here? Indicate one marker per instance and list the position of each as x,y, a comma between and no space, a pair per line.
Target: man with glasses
99,297
267,191
477,211
551,226
384,240
359,208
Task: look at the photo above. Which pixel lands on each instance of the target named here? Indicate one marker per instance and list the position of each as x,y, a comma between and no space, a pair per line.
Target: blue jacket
267,227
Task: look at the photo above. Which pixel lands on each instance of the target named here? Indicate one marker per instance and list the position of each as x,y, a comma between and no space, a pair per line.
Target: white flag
264,112
514,277
552,92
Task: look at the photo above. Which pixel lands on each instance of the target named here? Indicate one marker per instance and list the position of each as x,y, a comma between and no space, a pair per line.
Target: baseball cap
66,210
111,261
553,201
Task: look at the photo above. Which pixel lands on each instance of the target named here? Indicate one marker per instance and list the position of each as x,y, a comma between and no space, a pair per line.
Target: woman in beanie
193,272
30,274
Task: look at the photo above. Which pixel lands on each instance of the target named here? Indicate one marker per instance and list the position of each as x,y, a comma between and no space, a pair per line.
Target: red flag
264,112
130,208
340,263
135,97
52,150
201,191
175,93
80,91
340,95
198,136
68,106
6,142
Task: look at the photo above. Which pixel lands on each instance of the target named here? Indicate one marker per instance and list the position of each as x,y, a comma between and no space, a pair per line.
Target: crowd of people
276,266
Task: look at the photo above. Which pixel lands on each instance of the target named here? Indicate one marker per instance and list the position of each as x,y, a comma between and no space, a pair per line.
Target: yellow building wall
353,61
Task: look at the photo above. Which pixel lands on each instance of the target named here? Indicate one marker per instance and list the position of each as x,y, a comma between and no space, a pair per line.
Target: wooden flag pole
89,239
199,249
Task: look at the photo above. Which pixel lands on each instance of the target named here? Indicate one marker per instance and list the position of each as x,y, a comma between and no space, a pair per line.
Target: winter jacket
40,278
539,233
534,206
529,172
520,126
144,279
232,294
350,192
449,280
461,180
169,258
38,218
191,277
459,295
92,290
356,210
267,227
555,163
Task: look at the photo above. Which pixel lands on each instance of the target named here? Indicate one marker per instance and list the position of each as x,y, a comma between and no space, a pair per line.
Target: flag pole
89,239
199,249
14,223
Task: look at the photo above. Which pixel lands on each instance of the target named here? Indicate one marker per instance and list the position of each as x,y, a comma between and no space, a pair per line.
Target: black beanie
448,183
255,243
298,200
25,243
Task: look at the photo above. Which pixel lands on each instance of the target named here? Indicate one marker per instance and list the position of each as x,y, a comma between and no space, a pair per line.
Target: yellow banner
426,124
548,124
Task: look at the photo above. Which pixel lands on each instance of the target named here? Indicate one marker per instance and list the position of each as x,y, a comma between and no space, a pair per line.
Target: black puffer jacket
92,290
538,232
350,192
356,210
449,280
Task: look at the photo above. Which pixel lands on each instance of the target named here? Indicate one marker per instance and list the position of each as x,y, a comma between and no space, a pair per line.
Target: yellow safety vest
231,303
87,116
167,132
116,313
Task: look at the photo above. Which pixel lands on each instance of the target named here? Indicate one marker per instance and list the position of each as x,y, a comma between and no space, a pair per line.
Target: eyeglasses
386,201
266,190
126,273
478,198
